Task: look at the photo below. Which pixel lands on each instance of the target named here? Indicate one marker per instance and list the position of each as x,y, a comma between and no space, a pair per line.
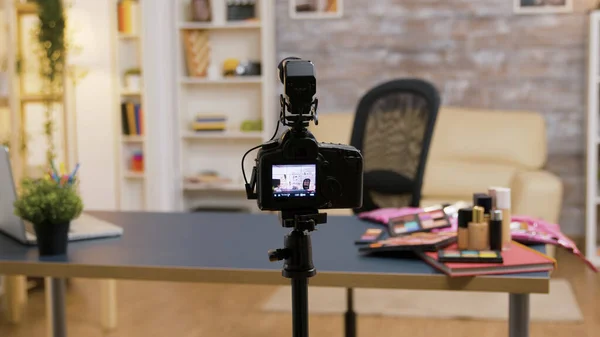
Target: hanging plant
52,51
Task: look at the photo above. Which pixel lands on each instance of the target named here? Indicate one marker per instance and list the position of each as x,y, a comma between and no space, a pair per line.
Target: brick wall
477,52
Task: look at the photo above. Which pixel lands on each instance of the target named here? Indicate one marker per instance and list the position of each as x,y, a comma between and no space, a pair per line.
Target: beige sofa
474,149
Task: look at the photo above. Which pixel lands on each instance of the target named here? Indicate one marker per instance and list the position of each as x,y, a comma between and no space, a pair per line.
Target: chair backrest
393,127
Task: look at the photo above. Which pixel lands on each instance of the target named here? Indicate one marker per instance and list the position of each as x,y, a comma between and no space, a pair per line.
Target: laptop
83,228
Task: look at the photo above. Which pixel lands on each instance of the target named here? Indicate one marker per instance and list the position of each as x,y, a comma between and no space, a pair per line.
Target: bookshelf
129,105
205,94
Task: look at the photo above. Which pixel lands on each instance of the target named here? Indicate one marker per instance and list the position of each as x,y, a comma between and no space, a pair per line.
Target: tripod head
303,220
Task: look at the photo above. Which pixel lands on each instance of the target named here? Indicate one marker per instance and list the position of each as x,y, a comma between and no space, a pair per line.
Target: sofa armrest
538,194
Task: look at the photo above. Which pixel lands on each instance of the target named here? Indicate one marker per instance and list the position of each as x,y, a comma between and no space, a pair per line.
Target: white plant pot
3,85
133,83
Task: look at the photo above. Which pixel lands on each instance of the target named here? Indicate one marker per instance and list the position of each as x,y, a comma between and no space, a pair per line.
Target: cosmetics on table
428,242
477,196
495,230
503,204
465,216
478,231
371,235
429,219
469,256
484,201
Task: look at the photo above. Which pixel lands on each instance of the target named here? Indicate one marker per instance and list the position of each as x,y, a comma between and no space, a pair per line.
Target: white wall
159,68
95,103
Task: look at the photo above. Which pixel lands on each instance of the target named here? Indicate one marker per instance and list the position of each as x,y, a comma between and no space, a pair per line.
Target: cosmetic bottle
503,204
477,196
485,201
492,194
478,231
495,229
465,216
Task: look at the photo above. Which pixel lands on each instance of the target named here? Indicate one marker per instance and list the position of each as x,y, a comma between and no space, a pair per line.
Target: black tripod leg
300,306
350,316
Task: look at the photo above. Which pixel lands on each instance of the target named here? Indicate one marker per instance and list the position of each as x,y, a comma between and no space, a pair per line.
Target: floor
149,309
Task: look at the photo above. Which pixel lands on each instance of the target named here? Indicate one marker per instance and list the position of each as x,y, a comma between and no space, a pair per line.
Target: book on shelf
128,16
132,119
517,259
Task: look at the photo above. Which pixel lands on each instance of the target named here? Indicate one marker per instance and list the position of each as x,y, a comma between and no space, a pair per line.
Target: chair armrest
538,194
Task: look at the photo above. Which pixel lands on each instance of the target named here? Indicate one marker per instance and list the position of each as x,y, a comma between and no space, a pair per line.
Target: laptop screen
9,222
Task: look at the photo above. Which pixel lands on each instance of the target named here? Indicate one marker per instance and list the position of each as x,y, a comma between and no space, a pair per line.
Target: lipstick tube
495,230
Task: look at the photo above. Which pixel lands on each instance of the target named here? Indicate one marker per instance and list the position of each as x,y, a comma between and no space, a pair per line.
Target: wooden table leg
15,295
108,304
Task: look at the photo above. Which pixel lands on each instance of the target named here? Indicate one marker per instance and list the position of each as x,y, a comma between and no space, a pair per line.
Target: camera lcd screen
294,181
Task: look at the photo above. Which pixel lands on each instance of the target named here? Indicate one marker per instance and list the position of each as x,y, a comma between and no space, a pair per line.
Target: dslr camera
295,172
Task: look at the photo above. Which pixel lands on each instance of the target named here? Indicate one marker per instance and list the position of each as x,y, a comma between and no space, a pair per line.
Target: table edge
492,283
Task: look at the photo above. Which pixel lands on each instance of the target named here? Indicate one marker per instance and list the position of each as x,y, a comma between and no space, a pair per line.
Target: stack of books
132,119
209,123
128,17
517,259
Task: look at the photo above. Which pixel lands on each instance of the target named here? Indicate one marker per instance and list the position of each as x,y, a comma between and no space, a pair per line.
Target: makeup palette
428,242
425,221
370,235
470,256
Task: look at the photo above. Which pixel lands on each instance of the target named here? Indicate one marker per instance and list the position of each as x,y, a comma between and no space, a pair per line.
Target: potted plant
133,79
50,204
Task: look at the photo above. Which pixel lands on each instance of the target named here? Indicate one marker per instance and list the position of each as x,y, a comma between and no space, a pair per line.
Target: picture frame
543,6
316,9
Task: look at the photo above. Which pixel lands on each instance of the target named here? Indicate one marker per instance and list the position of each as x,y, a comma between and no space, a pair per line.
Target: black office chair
393,128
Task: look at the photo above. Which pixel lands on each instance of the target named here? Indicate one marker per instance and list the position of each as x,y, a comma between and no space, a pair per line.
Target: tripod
298,265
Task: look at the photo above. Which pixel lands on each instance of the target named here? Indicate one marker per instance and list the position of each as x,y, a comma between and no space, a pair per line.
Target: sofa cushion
514,138
459,179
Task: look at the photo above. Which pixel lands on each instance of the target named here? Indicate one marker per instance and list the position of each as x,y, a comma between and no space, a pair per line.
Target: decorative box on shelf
137,162
241,10
235,67
197,51
212,122
200,10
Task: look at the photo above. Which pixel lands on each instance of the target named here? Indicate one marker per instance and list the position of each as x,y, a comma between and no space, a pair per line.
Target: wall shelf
133,139
132,190
134,175
227,25
128,36
131,93
238,99
26,8
231,80
190,135
228,187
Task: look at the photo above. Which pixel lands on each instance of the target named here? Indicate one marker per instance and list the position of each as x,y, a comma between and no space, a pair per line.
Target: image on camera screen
294,181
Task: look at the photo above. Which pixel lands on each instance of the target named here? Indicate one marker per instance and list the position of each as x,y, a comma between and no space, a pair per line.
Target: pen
63,171
53,169
72,175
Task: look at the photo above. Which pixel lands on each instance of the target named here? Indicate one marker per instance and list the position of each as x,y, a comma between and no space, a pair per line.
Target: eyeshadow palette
470,256
428,242
421,222
371,235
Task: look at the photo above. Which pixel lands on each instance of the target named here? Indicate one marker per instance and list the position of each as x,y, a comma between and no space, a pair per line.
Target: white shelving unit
238,98
593,141
128,54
